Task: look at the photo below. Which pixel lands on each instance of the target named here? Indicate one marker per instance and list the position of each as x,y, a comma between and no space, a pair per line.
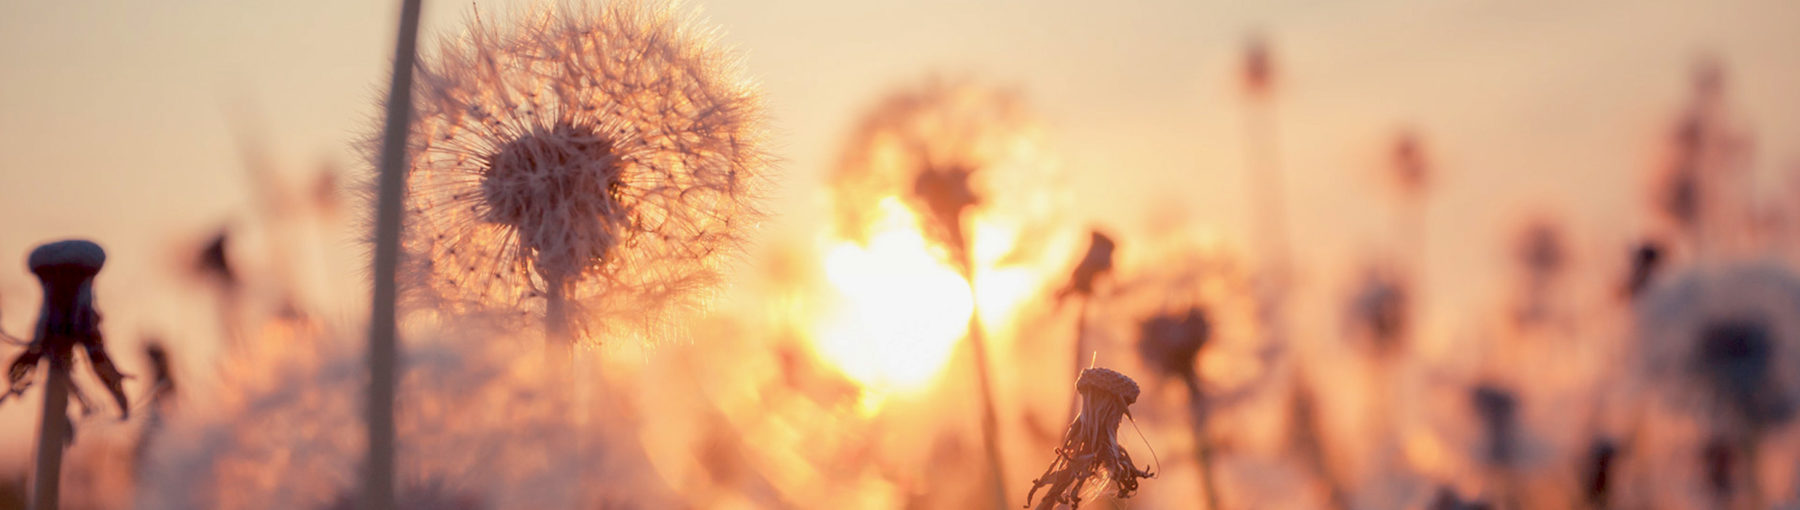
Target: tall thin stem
378,491
52,430
557,332
990,421
1202,445
1080,349
1268,191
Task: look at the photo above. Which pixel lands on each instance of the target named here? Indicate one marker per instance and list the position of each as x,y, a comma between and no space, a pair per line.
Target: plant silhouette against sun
591,167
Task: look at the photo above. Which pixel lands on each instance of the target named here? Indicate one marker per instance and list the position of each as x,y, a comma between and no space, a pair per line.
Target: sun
896,311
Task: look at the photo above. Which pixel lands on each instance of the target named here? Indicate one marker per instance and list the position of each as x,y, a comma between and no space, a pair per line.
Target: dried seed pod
1091,448
67,320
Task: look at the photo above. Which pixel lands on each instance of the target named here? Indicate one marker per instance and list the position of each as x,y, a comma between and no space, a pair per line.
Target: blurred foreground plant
67,320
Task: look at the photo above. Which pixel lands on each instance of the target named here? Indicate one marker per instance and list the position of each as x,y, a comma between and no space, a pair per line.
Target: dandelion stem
1080,349
556,318
378,493
1202,447
990,422
52,434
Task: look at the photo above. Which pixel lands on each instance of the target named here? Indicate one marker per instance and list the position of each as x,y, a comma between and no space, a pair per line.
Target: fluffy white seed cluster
612,149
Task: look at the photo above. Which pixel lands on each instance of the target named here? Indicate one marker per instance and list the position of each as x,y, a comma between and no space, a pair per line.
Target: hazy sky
119,120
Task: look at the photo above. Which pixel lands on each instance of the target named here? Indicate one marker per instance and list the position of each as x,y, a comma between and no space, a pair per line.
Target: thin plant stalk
1081,348
990,421
378,491
1267,189
52,434
1202,446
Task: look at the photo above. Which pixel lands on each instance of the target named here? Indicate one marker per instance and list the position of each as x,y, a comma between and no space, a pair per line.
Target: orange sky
119,119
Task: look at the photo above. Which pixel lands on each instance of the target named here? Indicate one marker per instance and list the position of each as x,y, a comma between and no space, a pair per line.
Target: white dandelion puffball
611,153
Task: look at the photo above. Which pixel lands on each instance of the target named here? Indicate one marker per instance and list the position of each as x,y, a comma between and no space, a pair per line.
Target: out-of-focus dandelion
1646,258
1171,344
1410,166
1380,310
1258,71
1090,449
1694,192
944,147
65,270
1267,188
1723,345
593,168
1097,262
1498,410
1542,255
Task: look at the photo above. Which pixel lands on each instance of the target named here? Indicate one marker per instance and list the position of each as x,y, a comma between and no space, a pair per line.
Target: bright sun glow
899,310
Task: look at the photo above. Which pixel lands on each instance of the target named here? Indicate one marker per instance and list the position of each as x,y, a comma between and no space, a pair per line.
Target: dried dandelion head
1090,447
1724,344
608,157
1097,262
944,147
67,320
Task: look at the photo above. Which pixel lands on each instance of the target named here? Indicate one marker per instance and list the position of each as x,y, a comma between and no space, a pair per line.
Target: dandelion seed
603,160
1090,449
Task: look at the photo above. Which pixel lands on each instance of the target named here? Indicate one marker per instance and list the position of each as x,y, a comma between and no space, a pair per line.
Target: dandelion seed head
948,148
1723,343
612,152
71,258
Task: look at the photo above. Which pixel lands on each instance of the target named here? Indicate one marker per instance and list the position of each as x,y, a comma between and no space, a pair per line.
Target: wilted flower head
1170,342
1097,262
943,147
606,156
68,319
1091,448
1724,343
213,263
